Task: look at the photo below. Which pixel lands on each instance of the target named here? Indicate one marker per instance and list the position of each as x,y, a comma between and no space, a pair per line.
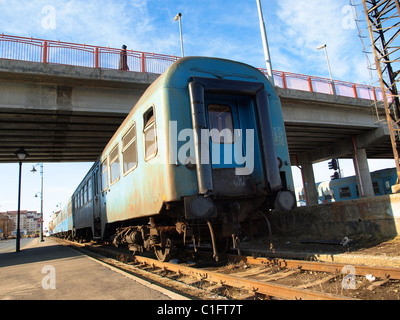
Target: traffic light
335,176
333,164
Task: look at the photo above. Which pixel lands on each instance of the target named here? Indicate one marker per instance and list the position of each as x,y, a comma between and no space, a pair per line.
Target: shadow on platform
42,252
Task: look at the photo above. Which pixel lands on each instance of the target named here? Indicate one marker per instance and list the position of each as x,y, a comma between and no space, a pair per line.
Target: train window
377,190
344,192
82,198
220,118
150,134
85,192
114,164
90,189
104,175
129,149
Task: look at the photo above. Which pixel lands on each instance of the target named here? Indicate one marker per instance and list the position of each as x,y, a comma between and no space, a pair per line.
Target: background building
29,222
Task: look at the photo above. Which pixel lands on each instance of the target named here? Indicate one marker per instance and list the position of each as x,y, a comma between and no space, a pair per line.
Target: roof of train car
350,179
179,73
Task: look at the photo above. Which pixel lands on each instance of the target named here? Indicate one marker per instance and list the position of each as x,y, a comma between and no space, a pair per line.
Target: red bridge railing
83,55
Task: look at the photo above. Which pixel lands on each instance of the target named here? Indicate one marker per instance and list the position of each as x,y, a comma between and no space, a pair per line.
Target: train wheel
164,253
222,245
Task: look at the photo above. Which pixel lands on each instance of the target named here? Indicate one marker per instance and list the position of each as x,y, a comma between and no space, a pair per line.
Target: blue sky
217,28
221,28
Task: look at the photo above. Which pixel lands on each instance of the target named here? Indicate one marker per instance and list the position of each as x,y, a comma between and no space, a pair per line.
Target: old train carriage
202,151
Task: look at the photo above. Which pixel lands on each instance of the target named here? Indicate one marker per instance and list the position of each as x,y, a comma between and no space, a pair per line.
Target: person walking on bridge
123,59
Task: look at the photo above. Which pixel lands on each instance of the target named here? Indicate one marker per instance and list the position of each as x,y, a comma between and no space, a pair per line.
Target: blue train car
347,188
62,222
202,151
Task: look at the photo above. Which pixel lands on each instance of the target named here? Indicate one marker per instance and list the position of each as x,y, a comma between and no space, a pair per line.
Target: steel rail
331,267
253,286
265,288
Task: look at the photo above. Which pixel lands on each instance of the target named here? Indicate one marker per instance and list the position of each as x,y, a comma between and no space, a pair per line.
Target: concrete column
364,181
309,183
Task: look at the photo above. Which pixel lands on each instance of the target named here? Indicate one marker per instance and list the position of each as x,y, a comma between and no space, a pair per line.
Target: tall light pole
21,155
329,66
265,43
179,17
41,197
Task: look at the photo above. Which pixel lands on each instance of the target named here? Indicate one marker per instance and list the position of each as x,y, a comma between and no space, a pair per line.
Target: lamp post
179,17
41,198
21,155
265,43
329,66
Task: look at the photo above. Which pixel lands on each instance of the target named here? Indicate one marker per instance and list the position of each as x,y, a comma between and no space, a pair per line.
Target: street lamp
179,17
265,43
21,155
41,197
327,61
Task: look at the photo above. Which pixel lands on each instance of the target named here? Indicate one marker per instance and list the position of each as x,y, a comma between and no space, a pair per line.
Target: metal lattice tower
383,18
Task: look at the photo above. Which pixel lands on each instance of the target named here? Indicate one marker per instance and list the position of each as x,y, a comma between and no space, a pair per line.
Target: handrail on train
83,55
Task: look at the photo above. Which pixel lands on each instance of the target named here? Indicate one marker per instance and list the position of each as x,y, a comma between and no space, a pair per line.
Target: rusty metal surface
382,17
381,272
273,290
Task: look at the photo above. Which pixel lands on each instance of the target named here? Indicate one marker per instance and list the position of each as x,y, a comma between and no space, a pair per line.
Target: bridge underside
304,139
69,136
56,136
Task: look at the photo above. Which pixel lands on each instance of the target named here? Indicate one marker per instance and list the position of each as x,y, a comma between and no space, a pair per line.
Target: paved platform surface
49,271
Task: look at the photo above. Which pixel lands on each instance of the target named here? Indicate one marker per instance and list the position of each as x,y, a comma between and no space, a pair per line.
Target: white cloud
304,25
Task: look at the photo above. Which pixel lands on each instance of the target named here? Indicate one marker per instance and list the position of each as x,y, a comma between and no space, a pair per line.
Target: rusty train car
203,151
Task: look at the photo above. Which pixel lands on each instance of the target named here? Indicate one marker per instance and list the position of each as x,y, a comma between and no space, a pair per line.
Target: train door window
387,186
150,135
104,175
90,189
344,192
114,164
221,123
96,181
129,149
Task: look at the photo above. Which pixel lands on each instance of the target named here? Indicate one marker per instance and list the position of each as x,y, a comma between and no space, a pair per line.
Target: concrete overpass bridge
63,102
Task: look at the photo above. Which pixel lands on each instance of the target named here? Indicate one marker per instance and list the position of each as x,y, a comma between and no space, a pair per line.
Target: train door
386,186
97,202
232,141
226,149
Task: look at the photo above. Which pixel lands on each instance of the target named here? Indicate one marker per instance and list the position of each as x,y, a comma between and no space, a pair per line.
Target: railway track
257,278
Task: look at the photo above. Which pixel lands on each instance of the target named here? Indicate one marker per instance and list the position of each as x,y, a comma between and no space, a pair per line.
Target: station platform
49,271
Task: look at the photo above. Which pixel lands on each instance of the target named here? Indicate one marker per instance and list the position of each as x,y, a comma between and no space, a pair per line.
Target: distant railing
83,55
323,85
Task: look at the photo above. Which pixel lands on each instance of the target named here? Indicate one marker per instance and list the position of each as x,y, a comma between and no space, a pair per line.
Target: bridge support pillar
364,181
309,183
